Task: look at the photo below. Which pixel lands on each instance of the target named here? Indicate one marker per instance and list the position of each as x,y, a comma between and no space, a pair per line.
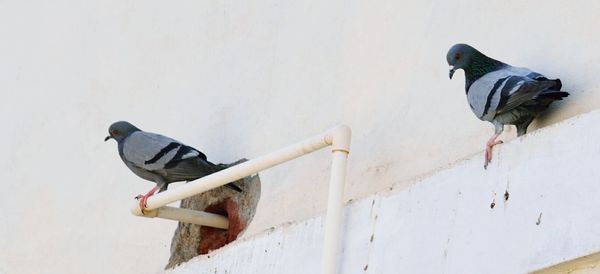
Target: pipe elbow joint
339,138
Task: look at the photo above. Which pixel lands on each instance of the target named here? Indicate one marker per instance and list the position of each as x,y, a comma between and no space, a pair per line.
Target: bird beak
452,70
107,138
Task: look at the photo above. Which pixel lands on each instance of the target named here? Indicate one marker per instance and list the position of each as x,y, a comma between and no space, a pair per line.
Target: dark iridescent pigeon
502,94
159,159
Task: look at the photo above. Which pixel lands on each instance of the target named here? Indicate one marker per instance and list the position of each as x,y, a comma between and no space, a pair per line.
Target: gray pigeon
159,159
502,94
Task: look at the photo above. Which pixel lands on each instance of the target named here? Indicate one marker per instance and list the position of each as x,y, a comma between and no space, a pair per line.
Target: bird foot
144,198
487,157
488,150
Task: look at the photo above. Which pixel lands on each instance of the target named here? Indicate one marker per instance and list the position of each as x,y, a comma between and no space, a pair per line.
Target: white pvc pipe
335,202
338,138
239,171
189,216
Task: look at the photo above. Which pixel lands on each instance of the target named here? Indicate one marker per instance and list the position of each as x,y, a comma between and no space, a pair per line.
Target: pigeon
502,94
159,158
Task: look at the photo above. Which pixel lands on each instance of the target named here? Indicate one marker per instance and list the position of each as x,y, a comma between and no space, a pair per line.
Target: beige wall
239,79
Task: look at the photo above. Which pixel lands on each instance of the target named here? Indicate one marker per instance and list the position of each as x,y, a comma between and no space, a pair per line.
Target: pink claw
488,149
144,198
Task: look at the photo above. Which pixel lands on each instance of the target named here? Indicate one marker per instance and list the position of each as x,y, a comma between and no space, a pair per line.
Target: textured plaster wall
446,224
238,79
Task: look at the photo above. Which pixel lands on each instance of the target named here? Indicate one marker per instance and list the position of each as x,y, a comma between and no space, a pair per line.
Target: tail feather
552,95
557,84
543,100
220,167
234,187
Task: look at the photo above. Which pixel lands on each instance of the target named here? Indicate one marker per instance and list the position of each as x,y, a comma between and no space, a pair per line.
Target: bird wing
525,85
521,90
482,93
191,169
187,169
505,89
151,151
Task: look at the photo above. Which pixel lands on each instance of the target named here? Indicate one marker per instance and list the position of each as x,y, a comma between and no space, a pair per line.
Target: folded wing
151,151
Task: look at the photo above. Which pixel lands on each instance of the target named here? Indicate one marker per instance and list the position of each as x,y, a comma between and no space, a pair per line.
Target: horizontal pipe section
338,138
189,216
239,171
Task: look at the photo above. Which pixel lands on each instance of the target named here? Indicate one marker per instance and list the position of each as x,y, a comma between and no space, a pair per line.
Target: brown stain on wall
214,238
190,240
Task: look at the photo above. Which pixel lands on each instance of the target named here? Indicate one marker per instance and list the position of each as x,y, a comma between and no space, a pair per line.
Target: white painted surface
444,224
238,79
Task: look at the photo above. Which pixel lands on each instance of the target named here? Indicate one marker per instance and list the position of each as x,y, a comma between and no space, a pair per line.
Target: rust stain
214,238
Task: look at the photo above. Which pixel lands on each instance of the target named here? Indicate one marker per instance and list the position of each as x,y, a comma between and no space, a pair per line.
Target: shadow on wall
191,240
554,111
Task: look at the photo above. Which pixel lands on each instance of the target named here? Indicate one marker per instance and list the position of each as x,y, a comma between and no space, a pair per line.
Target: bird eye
457,56
115,132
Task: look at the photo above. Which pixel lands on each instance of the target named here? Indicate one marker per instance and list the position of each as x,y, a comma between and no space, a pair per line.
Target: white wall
444,224
238,79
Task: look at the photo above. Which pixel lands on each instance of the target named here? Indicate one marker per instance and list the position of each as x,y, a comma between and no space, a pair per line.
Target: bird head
120,130
460,57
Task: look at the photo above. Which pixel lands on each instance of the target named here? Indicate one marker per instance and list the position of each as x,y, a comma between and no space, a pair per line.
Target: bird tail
553,95
219,167
557,84
544,99
550,94
553,92
234,187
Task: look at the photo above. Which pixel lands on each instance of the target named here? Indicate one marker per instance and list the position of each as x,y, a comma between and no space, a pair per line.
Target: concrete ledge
536,206
585,265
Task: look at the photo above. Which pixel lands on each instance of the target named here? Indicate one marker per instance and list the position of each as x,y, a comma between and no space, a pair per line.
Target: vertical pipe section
335,203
